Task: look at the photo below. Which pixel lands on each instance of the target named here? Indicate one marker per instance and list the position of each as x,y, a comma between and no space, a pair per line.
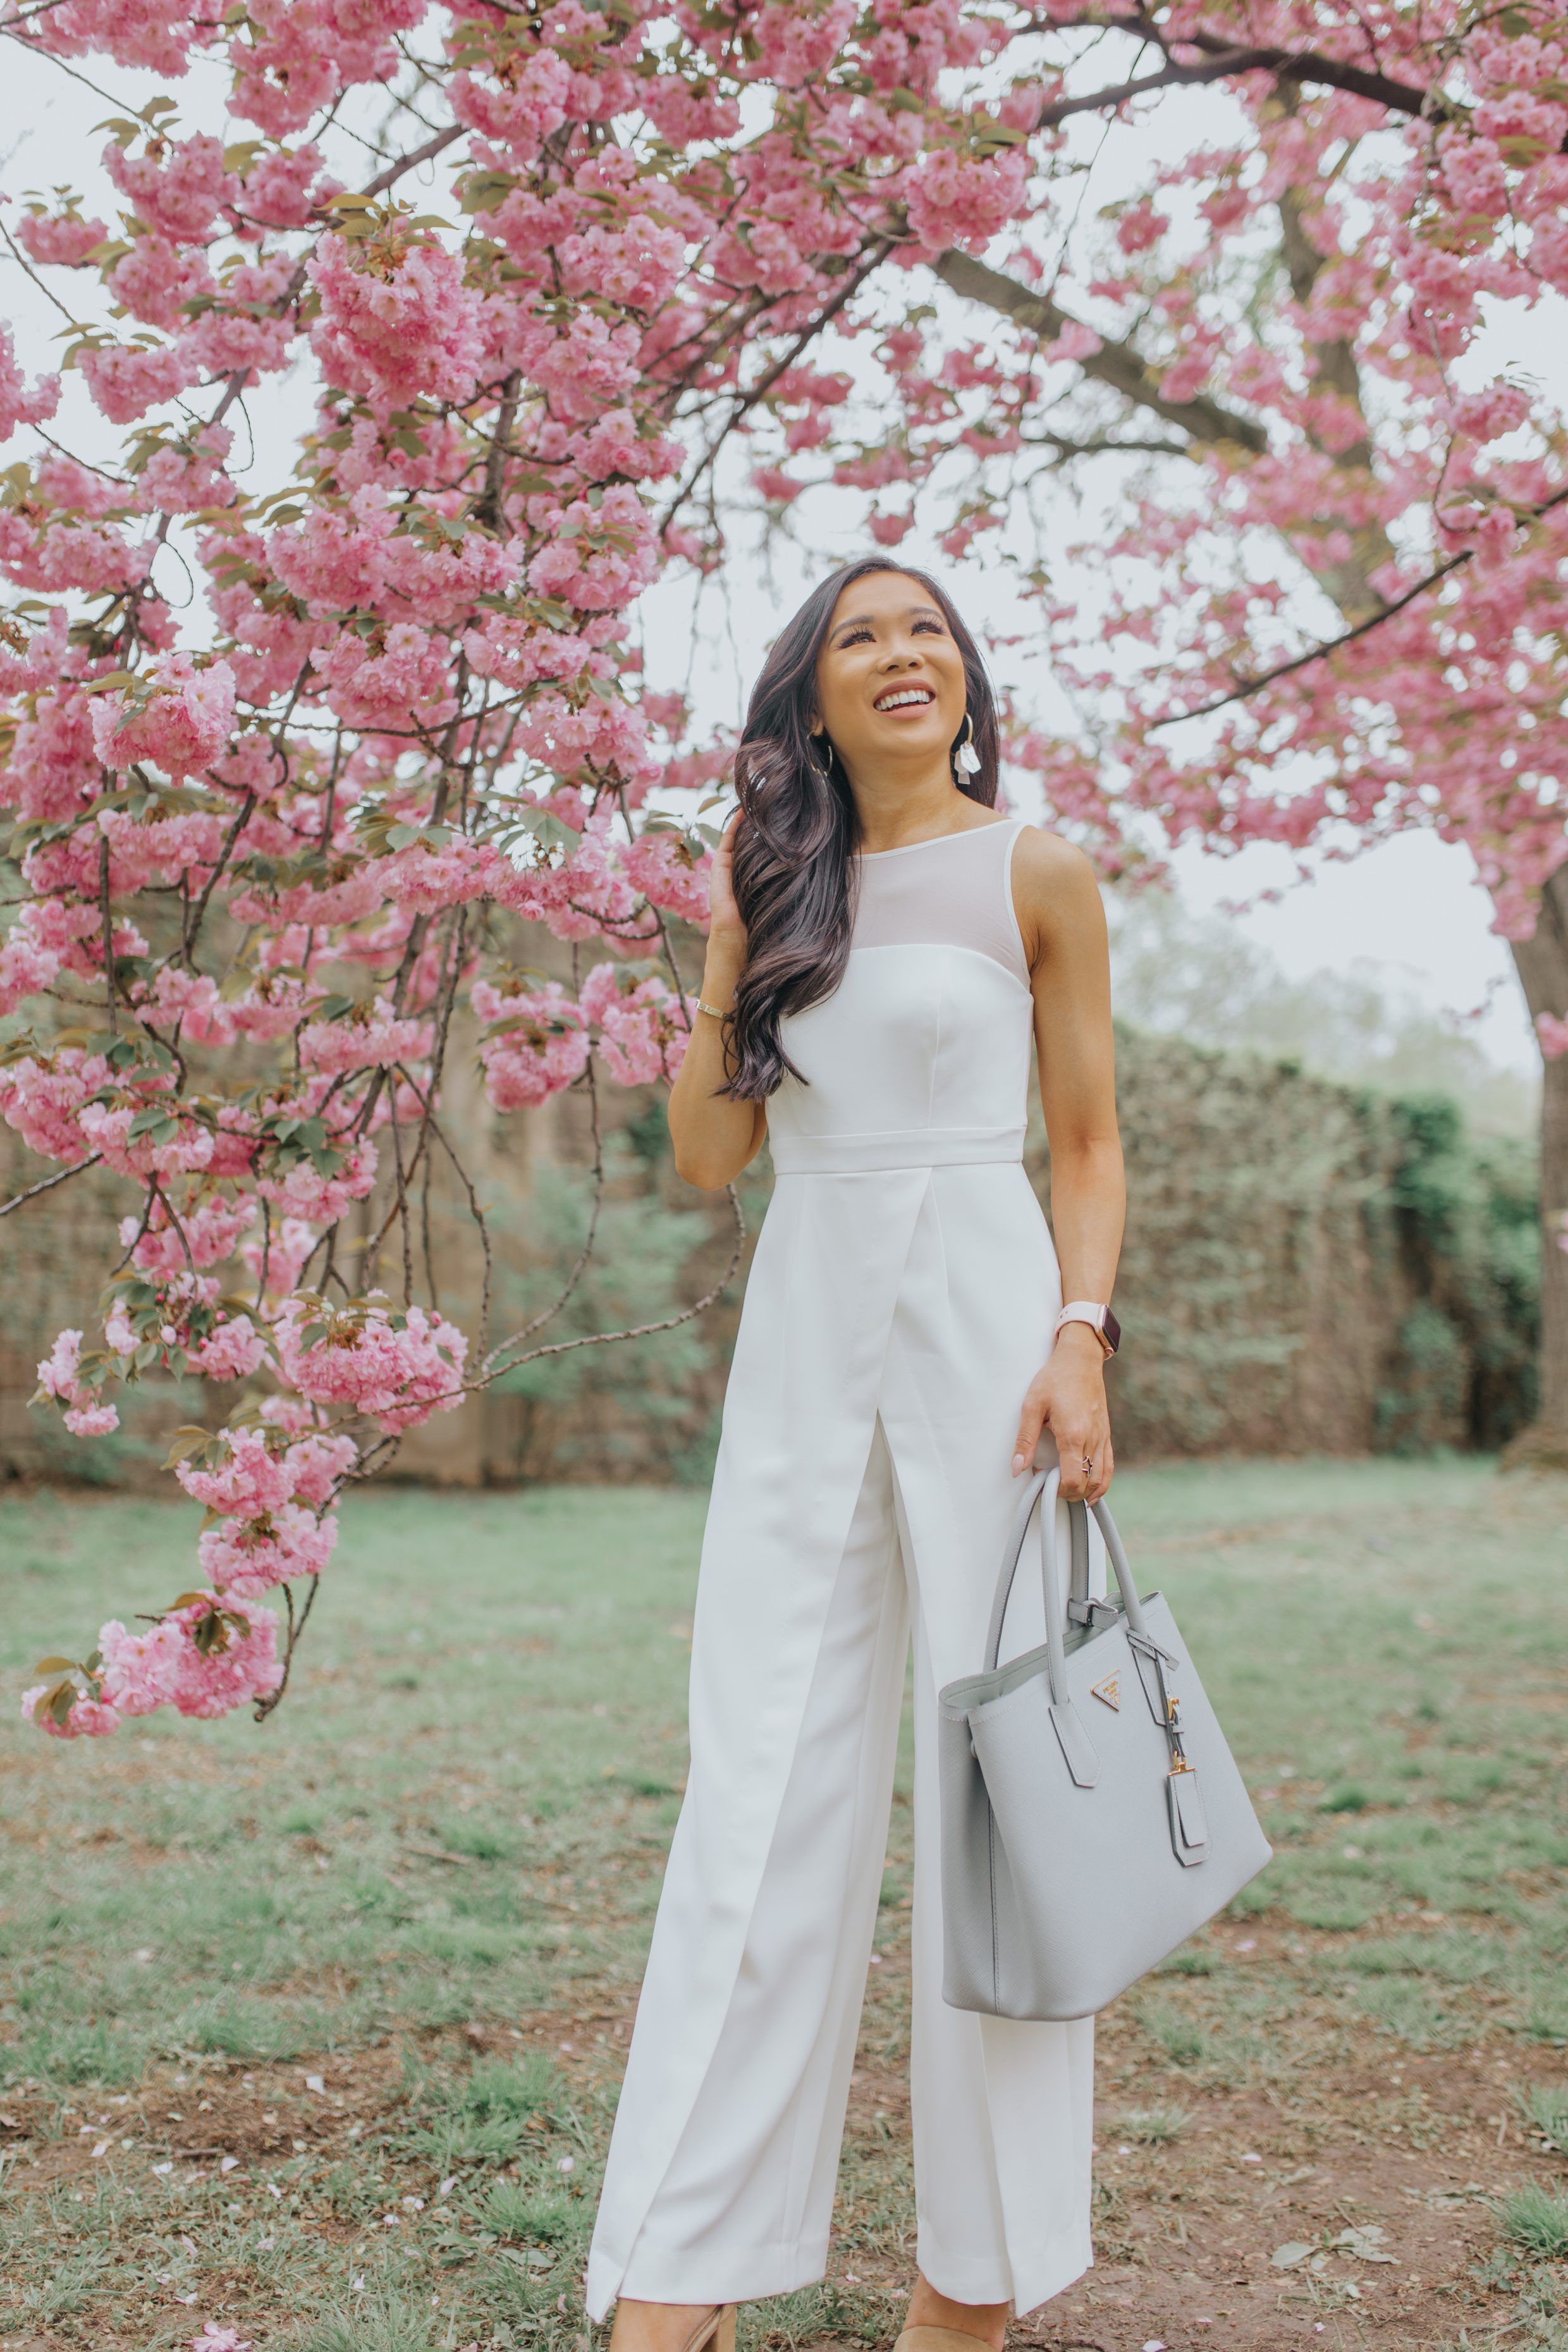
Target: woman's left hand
1067,1397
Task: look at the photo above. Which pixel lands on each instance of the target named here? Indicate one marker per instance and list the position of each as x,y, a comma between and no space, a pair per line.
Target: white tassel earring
966,759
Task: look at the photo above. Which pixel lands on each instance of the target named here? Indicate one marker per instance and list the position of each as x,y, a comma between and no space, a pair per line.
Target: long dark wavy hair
793,847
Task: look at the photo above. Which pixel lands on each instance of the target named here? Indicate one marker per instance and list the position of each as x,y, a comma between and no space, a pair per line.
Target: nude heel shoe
716,2333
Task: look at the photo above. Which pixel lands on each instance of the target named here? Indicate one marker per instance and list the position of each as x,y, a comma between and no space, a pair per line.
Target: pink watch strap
1099,1317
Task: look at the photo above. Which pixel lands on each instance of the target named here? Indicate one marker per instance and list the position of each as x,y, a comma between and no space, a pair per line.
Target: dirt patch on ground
214,2121
1267,2223
1352,2201
1351,2205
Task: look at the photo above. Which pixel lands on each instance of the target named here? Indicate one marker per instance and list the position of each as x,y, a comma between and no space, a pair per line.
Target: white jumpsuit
901,1299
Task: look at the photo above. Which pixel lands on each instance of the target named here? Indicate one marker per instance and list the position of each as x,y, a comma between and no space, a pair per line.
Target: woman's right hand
725,929
715,1135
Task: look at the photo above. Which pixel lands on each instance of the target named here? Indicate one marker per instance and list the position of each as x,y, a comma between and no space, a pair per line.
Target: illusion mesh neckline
966,903
960,833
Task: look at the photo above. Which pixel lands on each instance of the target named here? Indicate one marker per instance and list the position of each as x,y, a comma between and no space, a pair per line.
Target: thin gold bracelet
711,1010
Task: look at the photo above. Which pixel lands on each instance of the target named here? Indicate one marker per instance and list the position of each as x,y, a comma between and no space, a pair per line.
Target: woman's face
890,679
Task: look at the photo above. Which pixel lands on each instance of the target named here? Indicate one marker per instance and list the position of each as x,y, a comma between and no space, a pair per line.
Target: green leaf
187,1440
154,1119
544,827
485,191
60,1701
988,136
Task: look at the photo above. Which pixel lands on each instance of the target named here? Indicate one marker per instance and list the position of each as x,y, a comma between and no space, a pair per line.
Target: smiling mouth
903,697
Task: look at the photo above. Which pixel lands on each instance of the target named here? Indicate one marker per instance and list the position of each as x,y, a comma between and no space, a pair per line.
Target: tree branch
745,402
48,1183
401,164
1115,363
640,1330
1251,686
487,508
1304,66
548,1314
242,818
1103,445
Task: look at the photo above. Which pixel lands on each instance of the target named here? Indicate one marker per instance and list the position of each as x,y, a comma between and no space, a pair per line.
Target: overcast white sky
1411,904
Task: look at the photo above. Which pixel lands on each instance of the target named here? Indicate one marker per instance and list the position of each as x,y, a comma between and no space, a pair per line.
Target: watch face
1112,1330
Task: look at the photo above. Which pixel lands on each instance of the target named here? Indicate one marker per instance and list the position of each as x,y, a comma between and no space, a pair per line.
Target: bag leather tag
1189,1822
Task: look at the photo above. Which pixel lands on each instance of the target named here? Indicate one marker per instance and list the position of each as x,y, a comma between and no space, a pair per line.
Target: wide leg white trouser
1001,2110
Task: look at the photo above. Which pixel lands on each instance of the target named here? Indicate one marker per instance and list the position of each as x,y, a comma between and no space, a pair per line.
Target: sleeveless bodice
920,1057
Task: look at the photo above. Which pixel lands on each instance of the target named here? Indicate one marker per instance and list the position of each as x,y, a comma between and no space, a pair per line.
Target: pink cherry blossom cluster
202,1657
61,1376
395,762
536,1043
372,1037
174,715
539,1040
642,1027
397,1368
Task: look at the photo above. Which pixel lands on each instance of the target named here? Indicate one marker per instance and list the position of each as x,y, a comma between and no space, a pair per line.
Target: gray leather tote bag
1092,1816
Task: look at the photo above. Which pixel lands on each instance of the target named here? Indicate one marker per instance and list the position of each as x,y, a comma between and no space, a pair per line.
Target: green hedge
1310,1267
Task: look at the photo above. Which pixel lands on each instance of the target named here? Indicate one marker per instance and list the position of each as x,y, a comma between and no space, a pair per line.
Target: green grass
428,1881
1153,2127
1547,2109
199,1882
1537,2220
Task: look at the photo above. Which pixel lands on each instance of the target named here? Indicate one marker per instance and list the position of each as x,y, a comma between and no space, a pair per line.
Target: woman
882,945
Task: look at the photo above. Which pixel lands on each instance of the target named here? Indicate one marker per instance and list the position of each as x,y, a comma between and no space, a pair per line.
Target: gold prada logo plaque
1108,1692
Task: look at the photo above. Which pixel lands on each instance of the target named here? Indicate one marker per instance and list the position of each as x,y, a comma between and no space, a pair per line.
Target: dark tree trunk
1543,964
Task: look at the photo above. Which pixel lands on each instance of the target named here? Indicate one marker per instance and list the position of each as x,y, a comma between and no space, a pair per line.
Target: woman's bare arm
715,1136
1063,923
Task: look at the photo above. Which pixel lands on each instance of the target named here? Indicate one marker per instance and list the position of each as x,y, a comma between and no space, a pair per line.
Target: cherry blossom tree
1293,313
687,261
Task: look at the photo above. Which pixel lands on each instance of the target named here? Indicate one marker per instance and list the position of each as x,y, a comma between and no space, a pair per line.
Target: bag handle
1041,1491
1189,1832
1011,1551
